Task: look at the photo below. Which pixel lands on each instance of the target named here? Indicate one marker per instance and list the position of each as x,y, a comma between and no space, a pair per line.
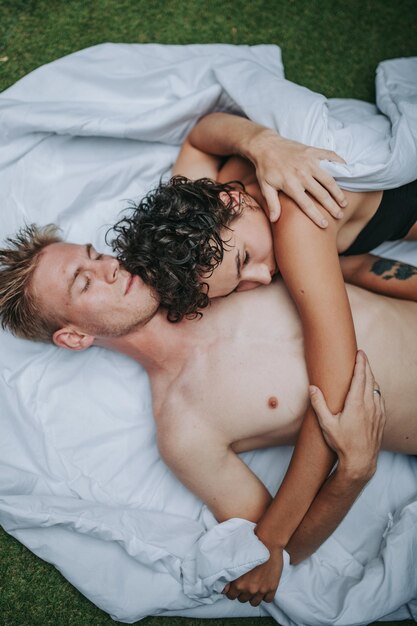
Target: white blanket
81,482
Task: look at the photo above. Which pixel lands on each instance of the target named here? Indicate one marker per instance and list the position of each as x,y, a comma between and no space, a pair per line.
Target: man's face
91,292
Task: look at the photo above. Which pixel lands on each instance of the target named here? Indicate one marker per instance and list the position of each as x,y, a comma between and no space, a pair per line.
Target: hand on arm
355,435
384,276
281,164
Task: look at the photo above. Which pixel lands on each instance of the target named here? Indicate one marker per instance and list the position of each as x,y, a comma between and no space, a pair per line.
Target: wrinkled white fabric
81,481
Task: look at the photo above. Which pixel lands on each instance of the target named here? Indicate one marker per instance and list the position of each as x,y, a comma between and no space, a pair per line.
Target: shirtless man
210,377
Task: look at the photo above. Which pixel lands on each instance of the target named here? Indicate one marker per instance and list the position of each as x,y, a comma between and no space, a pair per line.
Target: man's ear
72,339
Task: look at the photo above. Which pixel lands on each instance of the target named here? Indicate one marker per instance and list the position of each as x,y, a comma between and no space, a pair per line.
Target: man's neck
159,345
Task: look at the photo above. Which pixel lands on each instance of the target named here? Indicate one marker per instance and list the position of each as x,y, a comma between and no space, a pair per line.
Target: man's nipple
272,402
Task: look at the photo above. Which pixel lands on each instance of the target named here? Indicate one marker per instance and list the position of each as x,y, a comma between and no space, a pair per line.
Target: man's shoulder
184,431
180,413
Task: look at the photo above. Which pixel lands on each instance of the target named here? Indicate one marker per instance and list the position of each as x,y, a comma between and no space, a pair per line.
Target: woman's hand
260,584
355,434
282,164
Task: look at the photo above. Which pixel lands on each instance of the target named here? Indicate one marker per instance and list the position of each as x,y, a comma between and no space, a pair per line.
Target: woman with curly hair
174,239
202,239
179,237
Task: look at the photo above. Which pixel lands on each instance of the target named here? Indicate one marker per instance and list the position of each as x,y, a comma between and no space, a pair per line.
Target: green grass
331,46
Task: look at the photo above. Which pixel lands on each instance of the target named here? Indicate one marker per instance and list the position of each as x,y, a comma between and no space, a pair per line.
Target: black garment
396,214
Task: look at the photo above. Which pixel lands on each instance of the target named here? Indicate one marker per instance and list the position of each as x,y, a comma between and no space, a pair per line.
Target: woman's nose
259,273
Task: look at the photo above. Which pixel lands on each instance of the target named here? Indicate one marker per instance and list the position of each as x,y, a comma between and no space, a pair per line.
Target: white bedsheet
81,482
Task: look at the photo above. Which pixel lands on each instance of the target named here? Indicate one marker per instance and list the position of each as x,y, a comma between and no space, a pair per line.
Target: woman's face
249,259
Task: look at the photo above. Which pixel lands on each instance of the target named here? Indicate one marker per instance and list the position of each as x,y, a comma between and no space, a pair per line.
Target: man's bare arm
211,469
281,164
384,276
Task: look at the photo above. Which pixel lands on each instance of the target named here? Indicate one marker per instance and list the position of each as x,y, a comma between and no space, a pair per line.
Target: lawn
331,46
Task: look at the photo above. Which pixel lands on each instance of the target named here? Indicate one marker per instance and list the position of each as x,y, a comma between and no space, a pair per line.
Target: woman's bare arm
308,260
281,164
384,276
195,163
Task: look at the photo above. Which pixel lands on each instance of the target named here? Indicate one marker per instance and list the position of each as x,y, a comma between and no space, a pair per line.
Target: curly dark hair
172,240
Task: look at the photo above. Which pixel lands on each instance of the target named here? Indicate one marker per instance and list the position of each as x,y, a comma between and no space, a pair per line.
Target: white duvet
81,482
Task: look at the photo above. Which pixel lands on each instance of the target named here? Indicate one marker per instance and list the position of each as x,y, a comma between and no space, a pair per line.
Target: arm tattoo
387,269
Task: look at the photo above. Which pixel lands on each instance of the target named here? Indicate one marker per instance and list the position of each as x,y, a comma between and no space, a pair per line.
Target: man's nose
109,268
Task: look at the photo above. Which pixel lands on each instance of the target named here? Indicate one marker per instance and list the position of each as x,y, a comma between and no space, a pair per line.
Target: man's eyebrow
237,258
71,282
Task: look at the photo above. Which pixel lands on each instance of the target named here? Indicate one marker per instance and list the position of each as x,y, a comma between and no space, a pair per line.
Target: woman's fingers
318,190
272,200
328,155
326,180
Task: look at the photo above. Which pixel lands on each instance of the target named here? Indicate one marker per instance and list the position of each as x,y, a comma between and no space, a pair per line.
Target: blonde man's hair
20,311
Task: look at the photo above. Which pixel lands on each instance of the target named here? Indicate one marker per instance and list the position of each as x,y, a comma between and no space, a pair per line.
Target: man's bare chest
251,392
